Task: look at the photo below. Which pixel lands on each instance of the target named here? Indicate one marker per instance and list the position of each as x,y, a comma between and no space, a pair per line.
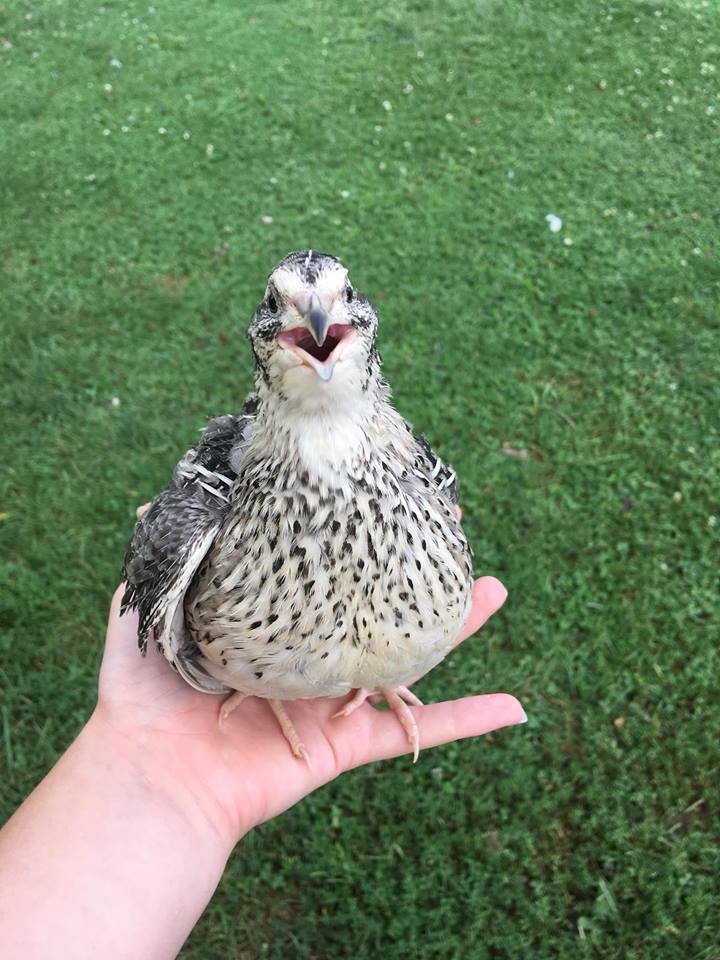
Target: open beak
318,343
317,320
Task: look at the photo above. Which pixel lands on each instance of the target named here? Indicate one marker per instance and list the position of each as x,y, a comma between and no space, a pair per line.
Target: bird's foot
229,704
289,731
373,696
397,699
357,700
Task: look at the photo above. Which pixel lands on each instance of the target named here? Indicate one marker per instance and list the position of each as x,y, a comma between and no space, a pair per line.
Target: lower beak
317,320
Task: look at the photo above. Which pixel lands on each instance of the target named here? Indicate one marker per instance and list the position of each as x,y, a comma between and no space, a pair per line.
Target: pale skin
118,850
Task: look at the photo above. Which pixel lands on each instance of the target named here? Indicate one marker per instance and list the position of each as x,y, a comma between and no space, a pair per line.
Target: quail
309,545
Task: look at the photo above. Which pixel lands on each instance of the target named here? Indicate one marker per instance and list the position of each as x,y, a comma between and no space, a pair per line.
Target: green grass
131,261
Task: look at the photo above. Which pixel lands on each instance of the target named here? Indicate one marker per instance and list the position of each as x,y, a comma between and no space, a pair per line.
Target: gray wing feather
173,536
429,465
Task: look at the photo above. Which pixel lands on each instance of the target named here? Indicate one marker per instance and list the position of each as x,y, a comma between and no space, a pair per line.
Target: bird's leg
408,696
402,711
373,696
289,731
357,700
229,704
397,699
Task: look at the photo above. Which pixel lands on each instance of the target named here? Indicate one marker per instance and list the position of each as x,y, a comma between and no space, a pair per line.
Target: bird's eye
349,293
272,303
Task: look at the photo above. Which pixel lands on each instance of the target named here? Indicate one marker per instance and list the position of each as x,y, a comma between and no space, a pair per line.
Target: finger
458,511
121,635
141,509
441,723
121,639
120,628
488,595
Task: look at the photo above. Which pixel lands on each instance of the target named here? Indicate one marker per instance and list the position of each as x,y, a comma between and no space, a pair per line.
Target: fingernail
524,718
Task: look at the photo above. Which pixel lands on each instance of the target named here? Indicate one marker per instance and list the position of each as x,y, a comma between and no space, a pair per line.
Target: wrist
114,858
149,769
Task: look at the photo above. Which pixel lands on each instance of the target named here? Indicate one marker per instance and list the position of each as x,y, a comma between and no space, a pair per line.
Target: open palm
244,772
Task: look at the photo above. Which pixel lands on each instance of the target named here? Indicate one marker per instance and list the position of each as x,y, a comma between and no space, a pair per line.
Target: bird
308,545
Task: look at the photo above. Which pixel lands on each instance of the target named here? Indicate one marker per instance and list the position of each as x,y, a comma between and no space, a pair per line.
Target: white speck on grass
106,132
387,105
408,88
677,497
567,241
273,180
186,135
712,520
266,219
706,69
449,117
554,222
124,129
344,194
115,63
115,401
511,174
209,151
162,130
107,87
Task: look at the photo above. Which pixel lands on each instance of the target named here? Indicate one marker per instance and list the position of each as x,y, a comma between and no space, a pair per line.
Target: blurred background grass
156,162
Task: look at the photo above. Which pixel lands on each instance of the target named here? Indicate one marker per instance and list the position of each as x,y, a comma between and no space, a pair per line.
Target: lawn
156,162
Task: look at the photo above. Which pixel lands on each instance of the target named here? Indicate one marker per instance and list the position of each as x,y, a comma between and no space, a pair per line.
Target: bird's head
313,334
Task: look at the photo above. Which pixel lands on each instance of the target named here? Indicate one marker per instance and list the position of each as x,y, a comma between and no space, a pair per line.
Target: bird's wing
175,533
430,467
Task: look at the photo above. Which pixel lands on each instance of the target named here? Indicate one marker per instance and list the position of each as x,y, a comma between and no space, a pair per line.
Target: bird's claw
397,699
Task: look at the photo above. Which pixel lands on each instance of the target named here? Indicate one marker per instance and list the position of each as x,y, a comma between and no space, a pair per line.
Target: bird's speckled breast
311,591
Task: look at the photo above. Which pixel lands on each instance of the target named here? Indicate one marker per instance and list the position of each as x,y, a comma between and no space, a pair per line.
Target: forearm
100,861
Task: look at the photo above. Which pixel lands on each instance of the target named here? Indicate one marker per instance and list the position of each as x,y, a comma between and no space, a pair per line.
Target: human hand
244,773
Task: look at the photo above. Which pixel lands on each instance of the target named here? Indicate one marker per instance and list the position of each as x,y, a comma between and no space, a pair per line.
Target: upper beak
317,320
